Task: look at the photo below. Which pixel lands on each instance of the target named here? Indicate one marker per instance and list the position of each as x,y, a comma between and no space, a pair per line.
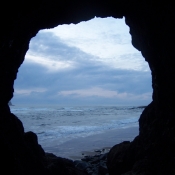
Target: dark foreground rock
93,165
150,153
117,158
22,155
57,165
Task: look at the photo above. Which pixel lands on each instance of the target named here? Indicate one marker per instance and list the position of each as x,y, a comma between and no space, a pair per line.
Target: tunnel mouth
152,30
70,79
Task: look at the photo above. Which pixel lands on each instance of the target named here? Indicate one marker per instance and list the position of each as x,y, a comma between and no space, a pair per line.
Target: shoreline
77,149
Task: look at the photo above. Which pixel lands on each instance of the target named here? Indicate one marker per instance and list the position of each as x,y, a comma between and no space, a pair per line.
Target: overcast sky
91,63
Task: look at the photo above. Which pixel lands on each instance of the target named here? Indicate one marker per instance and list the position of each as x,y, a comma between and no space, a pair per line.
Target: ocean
56,125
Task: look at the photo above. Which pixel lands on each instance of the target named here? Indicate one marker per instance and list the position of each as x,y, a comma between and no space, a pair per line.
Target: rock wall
152,25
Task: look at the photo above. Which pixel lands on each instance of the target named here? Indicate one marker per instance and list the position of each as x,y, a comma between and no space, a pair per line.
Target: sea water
64,123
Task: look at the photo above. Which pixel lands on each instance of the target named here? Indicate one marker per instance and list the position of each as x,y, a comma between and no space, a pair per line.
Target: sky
90,63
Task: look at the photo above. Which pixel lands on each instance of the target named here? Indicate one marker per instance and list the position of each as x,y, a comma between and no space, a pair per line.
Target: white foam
66,123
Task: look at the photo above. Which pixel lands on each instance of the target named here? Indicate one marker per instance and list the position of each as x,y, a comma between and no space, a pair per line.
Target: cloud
100,92
94,91
80,64
108,40
89,84
50,52
29,91
50,64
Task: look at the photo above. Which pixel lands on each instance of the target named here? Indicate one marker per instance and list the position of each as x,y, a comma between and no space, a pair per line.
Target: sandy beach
80,147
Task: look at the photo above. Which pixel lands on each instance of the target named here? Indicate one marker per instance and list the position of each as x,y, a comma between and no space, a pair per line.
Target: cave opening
85,70
152,29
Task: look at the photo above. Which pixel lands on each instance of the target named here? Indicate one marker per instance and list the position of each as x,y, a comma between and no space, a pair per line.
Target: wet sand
91,145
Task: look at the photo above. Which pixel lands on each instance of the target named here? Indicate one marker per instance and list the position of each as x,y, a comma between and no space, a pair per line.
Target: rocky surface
22,155
151,152
117,163
152,25
94,165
